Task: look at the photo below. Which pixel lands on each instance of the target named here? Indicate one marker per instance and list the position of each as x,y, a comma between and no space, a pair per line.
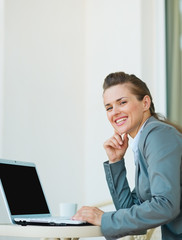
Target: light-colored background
54,56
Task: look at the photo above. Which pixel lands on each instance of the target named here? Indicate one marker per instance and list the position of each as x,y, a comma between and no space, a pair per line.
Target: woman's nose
116,110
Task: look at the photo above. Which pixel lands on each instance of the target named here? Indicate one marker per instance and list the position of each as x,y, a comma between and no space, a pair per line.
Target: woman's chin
120,131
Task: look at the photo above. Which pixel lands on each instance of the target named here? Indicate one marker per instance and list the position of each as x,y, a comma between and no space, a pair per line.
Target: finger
89,214
118,138
80,214
125,139
112,143
116,142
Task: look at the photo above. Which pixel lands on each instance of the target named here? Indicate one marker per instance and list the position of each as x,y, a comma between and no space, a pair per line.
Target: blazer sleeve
161,148
118,185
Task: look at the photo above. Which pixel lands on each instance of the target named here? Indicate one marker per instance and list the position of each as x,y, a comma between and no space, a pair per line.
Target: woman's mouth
120,121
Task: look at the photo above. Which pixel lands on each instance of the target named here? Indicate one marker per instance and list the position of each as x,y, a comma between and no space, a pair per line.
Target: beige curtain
174,60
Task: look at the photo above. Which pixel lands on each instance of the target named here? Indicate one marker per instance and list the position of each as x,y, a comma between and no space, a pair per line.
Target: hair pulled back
138,88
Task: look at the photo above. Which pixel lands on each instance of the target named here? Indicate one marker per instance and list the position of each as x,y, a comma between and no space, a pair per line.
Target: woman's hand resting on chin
116,147
91,215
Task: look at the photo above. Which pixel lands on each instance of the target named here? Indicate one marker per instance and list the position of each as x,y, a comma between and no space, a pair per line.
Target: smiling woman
124,111
157,147
135,87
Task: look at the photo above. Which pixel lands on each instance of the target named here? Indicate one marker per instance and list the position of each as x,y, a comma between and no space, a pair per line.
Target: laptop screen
23,189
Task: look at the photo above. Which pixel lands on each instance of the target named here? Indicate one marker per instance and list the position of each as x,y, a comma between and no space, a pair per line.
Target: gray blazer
156,199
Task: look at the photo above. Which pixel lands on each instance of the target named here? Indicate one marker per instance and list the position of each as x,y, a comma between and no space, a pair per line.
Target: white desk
74,232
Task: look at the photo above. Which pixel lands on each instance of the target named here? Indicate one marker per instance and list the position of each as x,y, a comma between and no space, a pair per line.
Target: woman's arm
118,185
163,151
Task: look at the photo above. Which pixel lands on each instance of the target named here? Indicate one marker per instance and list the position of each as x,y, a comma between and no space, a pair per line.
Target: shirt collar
135,142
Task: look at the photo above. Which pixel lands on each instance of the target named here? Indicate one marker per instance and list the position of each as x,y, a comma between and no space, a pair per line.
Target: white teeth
121,120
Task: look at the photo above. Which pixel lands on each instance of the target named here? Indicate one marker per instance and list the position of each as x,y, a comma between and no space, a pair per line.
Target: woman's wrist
115,161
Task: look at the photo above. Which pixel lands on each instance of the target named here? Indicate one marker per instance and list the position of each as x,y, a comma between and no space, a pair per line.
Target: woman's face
124,111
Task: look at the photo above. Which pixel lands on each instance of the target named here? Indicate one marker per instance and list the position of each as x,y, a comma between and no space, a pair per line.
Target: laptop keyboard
48,220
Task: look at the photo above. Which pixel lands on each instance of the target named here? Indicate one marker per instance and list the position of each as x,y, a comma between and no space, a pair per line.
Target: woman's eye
109,109
123,102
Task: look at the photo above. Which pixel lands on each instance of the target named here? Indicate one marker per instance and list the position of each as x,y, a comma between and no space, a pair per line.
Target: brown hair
138,88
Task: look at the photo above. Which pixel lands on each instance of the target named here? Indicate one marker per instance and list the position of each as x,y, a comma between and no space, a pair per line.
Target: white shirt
135,143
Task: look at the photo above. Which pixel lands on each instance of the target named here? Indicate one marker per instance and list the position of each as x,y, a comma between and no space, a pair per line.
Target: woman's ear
146,102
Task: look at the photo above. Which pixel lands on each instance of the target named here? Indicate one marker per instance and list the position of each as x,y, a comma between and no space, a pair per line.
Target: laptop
22,199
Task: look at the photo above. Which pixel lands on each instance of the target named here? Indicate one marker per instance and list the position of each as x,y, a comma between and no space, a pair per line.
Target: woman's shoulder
158,138
154,123
155,130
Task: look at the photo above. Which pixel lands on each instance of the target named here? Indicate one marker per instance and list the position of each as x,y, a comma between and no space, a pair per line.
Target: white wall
153,50
56,56
43,92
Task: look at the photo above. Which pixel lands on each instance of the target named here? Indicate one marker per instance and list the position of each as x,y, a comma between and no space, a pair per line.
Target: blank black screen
23,189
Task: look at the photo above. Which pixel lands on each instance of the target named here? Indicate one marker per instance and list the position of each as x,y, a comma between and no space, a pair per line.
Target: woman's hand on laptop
91,215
